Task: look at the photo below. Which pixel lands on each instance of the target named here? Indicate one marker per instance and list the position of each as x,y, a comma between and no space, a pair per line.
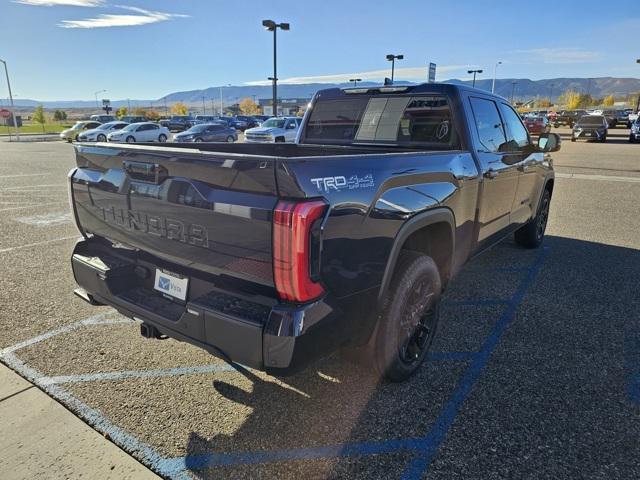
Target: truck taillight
294,249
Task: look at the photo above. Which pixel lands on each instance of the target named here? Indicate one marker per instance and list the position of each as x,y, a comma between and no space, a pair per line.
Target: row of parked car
615,118
214,129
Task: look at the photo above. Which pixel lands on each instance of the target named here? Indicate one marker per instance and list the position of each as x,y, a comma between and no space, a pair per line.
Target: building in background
286,106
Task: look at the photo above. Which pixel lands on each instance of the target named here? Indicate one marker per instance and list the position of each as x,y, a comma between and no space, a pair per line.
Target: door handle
491,173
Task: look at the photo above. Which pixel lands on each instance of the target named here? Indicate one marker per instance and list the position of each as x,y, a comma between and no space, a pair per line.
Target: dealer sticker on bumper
171,284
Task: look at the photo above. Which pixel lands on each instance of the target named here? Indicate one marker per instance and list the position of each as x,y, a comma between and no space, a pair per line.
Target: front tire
130,139
162,138
230,139
532,234
409,317
101,138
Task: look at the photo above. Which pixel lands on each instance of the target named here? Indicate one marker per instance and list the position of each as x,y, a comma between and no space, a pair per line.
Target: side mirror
549,142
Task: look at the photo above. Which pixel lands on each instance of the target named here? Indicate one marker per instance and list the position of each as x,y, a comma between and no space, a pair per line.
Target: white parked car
276,129
140,132
100,134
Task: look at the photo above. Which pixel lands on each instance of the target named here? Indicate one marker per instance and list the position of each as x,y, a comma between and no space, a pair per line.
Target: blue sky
68,49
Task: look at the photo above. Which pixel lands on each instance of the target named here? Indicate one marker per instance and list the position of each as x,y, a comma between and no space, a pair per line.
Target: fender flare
415,223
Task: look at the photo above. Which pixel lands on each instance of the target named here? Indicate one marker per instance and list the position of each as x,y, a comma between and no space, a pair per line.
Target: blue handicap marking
632,364
164,283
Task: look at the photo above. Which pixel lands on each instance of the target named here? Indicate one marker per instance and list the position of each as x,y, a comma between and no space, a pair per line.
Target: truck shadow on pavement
535,368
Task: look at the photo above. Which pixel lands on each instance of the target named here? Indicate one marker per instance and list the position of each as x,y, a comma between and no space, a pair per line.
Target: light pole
272,26
355,81
493,84
13,110
551,94
204,109
638,102
392,58
513,87
474,75
96,95
221,102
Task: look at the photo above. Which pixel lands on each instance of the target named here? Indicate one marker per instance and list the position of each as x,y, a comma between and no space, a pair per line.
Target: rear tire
632,139
531,235
603,139
198,140
230,139
279,140
409,317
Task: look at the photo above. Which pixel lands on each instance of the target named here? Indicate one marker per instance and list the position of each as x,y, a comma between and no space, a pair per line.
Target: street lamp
221,101
355,81
495,68
638,102
13,110
392,58
551,94
272,26
513,87
96,95
474,75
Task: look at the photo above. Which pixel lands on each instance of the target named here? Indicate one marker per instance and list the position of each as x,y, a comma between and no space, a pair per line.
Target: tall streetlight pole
551,94
495,69
204,109
513,87
638,102
355,81
474,75
392,58
96,95
13,110
221,101
272,26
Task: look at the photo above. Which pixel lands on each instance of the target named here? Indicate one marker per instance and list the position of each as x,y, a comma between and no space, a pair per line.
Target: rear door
528,161
499,167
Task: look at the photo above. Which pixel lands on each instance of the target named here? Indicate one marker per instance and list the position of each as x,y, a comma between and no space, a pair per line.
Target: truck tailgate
210,212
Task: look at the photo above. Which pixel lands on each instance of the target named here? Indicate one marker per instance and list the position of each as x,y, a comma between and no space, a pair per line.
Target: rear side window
423,120
517,132
488,124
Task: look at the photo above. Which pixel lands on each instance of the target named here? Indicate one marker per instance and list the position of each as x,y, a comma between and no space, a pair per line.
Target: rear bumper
237,327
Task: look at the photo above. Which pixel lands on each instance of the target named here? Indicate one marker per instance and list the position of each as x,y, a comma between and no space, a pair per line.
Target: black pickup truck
271,255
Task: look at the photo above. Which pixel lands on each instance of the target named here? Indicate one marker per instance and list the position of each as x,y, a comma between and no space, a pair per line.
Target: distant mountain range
523,89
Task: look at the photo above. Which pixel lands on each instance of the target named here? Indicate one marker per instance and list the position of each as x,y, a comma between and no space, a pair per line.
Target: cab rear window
415,121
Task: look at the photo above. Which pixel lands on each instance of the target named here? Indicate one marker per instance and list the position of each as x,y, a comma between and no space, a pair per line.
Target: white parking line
48,219
602,178
25,175
169,372
99,319
18,247
35,205
34,186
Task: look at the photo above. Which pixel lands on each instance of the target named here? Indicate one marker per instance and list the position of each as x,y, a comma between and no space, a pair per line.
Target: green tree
121,112
609,101
39,117
58,115
179,108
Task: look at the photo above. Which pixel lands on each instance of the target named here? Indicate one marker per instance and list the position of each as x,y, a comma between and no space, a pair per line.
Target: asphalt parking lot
535,372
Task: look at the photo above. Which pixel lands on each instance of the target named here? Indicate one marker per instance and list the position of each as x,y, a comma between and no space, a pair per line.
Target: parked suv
102,118
178,123
133,119
591,127
276,129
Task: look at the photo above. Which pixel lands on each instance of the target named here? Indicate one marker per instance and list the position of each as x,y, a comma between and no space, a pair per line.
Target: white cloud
145,17
405,73
559,55
53,3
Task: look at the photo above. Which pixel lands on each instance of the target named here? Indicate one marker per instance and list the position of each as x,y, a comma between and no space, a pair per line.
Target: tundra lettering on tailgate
168,228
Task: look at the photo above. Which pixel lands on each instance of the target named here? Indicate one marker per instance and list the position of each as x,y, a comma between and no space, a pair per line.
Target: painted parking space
534,371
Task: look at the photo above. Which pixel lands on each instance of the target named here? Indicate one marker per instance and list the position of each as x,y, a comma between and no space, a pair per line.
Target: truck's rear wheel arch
431,233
